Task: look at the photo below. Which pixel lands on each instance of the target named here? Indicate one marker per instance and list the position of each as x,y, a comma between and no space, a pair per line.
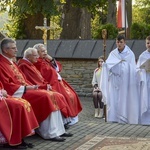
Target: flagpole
125,17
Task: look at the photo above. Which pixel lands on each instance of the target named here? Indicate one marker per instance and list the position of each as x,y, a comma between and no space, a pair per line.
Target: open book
146,65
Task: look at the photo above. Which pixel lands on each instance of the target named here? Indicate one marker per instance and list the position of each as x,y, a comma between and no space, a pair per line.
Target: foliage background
20,12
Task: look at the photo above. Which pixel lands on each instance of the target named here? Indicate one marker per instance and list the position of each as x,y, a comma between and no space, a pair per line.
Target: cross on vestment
44,28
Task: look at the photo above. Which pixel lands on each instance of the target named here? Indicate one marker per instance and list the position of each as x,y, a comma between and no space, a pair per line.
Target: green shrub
139,30
112,31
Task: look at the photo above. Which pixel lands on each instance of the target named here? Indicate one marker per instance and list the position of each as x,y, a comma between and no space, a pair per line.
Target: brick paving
89,127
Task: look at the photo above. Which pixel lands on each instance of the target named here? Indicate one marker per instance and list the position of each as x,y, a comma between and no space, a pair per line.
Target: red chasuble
17,119
34,76
12,78
50,75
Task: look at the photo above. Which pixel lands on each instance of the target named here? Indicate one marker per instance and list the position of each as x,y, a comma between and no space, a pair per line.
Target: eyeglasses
14,48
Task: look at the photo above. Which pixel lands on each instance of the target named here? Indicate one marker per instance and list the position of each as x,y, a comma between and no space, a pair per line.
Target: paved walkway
89,127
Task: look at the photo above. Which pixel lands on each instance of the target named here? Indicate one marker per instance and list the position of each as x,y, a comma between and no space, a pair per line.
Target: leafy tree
111,13
141,19
26,14
112,31
76,22
102,12
142,6
140,30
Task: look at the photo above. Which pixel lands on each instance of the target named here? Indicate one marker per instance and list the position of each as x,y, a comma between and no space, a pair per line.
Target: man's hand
49,57
32,87
4,93
49,87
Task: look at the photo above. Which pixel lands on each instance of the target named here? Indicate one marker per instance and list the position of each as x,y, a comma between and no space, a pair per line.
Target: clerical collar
148,51
9,59
26,59
123,51
120,51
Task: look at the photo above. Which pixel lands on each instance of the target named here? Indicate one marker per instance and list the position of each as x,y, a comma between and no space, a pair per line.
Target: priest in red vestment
45,106
17,119
50,69
34,76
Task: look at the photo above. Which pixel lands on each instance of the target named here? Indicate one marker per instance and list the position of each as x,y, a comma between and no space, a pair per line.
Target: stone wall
78,73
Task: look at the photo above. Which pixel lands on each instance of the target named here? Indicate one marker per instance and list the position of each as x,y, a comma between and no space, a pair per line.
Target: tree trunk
112,9
29,26
129,16
76,22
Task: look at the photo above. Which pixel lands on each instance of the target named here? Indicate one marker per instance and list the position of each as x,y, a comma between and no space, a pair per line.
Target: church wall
78,73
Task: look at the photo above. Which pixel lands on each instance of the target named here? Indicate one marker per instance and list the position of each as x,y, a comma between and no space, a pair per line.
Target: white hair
29,51
38,46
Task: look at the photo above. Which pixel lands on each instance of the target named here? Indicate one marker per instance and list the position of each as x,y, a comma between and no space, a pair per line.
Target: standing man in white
118,84
143,66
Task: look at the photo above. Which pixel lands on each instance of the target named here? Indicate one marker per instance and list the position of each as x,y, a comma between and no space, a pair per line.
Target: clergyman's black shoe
30,145
20,146
66,126
67,135
58,139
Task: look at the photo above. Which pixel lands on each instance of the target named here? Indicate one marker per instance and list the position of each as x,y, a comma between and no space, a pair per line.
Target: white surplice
144,88
119,87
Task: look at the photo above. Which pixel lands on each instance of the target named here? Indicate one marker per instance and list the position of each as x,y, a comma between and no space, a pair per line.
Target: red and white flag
122,14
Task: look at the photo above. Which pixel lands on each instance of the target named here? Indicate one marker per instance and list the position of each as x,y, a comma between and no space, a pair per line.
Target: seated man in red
17,120
45,106
34,76
50,69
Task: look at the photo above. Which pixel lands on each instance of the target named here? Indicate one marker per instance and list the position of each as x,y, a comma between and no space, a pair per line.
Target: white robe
144,88
119,87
